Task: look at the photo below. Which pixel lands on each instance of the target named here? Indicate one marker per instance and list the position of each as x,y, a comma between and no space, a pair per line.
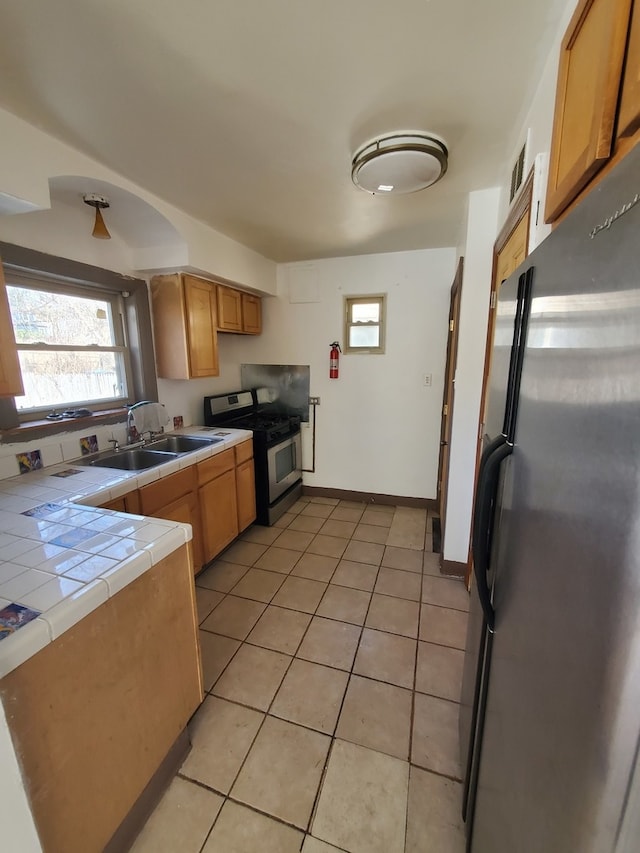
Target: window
70,344
84,341
364,324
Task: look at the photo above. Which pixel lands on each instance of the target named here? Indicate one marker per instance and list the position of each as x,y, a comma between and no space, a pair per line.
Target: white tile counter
63,557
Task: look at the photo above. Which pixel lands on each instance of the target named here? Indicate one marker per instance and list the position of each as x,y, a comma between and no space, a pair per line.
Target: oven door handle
295,454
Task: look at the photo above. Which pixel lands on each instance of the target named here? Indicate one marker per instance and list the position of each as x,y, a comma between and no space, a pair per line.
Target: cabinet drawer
215,466
244,451
168,489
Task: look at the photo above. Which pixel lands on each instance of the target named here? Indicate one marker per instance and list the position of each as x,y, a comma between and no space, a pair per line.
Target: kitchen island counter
97,688
61,556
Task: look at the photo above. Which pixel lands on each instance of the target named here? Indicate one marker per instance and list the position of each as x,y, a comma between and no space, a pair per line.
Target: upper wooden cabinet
10,375
592,61
185,326
251,314
229,309
238,311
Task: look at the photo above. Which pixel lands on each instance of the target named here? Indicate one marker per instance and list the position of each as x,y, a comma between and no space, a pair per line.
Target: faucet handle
115,443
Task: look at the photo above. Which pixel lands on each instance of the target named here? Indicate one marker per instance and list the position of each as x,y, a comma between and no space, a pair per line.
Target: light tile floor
332,659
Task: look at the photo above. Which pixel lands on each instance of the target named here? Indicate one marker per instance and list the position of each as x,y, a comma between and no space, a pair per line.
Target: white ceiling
245,113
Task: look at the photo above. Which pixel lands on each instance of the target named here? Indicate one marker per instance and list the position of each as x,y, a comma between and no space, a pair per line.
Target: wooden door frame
521,207
448,396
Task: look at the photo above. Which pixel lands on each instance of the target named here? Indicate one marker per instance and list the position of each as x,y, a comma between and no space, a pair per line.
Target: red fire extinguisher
334,360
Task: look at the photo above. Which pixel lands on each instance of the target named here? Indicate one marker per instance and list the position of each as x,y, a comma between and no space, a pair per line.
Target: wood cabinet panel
175,498
165,491
219,513
186,510
10,374
185,326
251,314
629,114
216,465
514,250
202,325
591,60
244,451
94,714
127,503
246,493
229,309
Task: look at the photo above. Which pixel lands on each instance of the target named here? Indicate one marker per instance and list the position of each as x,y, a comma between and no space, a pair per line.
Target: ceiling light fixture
401,162
100,202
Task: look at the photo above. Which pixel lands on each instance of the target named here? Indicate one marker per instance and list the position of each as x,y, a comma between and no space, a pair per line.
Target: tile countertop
62,557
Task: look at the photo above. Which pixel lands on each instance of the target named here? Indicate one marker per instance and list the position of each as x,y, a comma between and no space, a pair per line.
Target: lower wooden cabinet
245,485
127,503
175,498
216,497
218,502
93,715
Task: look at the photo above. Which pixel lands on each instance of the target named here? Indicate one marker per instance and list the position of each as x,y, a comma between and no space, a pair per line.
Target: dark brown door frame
448,397
521,207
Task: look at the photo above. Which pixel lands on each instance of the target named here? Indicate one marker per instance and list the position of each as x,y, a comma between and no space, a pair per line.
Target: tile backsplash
55,449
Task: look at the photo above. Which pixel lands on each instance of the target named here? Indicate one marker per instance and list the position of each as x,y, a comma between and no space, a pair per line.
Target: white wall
482,226
378,426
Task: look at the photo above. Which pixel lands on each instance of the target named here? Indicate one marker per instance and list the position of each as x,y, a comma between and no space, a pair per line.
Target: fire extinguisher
334,360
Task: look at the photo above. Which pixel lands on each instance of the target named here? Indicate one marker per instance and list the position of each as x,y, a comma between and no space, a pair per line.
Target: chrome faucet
133,436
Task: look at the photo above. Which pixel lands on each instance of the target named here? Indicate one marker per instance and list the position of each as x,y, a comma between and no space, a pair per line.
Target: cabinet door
591,61
127,503
10,375
219,513
174,498
229,309
246,490
170,327
185,509
200,297
251,314
629,116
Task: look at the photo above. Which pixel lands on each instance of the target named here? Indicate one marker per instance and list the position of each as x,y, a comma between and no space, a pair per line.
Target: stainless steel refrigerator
550,706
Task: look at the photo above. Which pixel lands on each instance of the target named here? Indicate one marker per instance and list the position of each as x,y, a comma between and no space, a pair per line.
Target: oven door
284,461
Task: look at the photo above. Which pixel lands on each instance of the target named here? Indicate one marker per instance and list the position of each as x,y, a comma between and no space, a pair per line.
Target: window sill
29,430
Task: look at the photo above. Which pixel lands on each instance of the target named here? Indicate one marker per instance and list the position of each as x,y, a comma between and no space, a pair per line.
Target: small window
70,343
364,324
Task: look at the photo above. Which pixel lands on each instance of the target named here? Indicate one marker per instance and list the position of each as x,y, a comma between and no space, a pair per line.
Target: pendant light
402,162
100,202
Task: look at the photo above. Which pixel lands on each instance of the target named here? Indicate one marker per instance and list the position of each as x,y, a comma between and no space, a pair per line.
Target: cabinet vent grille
517,174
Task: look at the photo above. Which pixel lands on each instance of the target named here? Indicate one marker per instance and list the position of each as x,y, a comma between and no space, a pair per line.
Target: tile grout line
350,673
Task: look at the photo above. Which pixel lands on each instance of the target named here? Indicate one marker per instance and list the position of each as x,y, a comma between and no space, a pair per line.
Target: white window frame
349,301
51,284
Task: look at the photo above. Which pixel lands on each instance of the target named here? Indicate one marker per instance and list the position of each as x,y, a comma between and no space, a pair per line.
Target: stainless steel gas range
276,446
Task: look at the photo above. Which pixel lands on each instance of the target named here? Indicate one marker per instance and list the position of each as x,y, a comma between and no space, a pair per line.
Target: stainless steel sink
182,443
137,459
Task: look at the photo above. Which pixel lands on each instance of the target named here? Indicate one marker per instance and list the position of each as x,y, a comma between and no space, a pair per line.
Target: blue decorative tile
73,537
44,510
14,616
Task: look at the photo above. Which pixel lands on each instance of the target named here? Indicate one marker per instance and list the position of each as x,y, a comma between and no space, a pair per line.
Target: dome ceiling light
401,162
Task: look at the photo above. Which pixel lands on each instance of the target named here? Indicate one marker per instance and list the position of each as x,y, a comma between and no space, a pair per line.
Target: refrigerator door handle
488,478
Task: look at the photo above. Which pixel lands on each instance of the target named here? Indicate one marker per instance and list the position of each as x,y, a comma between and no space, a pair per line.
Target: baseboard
369,497
141,810
453,568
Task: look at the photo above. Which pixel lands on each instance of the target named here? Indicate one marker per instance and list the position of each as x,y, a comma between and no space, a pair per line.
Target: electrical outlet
426,379
314,401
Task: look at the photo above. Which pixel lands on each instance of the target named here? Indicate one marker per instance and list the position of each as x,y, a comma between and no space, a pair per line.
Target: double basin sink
152,454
